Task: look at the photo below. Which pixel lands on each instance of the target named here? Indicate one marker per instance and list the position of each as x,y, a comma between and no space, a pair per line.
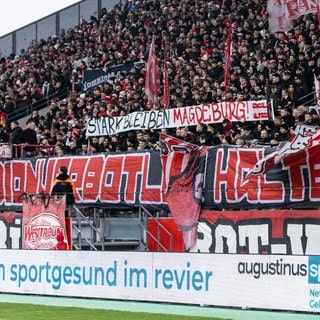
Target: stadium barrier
242,281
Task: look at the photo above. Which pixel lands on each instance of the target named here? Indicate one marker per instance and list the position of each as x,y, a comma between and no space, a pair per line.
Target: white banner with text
246,281
179,117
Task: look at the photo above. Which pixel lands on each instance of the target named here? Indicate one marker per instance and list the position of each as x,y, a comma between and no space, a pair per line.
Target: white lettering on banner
90,84
225,235
254,238
259,237
99,178
177,117
10,233
315,272
230,166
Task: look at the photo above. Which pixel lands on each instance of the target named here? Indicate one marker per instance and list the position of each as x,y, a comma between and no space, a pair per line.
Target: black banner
92,78
293,183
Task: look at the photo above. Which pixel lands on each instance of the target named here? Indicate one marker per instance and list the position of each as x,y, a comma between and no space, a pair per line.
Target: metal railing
96,238
39,105
89,231
18,151
145,215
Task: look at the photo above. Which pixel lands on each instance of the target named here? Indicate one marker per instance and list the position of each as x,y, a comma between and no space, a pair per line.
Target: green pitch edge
187,310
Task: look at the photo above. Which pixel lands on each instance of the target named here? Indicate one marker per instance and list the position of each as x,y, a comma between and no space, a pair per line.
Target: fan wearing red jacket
61,243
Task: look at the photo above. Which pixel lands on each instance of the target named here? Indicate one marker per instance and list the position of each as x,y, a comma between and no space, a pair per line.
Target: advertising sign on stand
270,282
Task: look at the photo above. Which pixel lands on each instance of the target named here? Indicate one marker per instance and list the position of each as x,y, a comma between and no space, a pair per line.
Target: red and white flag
152,84
278,18
183,165
303,137
282,12
227,63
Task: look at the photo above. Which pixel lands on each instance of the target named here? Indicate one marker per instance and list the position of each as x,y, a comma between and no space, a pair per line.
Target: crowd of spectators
279,67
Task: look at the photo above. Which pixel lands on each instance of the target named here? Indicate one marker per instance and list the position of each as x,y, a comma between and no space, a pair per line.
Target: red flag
183,166
227,63
165,101
152,85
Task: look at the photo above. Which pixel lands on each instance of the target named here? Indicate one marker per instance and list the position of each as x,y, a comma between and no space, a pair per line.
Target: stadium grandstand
280,67
138,56
187,134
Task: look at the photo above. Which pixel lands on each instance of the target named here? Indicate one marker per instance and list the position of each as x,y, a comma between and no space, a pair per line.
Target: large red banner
290,232
131,179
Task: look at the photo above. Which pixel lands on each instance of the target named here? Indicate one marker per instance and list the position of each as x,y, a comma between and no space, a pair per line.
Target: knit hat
249,137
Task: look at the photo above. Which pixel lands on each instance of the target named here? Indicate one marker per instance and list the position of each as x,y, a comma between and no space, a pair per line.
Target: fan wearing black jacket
28,137
64,185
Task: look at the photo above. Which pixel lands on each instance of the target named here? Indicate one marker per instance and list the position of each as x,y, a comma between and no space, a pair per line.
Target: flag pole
227,63
165,101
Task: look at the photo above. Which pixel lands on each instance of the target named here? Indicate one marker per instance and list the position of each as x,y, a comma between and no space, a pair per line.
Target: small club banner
43,218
